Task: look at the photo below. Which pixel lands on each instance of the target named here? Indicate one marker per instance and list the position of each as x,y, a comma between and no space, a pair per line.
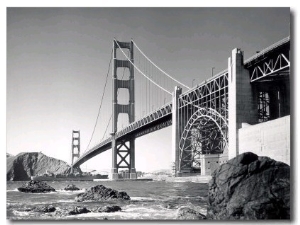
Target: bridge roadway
162,117
157,119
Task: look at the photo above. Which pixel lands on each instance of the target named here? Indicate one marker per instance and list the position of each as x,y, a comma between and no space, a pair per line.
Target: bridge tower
123,151
75,150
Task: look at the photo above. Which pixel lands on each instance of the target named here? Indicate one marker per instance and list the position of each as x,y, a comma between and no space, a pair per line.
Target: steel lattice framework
203,113
272,61
204,133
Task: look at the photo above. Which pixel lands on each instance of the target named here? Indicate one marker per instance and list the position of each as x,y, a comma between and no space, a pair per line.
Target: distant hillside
162,171
27,164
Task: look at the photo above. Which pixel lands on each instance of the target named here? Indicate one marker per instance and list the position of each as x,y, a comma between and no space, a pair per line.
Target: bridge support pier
242,104
114,170
175,131
123,151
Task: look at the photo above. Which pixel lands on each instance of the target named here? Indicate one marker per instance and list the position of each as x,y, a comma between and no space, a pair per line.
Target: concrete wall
270,139
211,162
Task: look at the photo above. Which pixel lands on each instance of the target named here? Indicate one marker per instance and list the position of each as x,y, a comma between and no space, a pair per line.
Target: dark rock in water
99,193
113,208
71,187
79,210
45,209
36,187
249,187
185,213
24,165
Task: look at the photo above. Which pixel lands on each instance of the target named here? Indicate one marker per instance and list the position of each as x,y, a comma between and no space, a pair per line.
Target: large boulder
36,187
249,187
71,187
26,164
99,193
186,213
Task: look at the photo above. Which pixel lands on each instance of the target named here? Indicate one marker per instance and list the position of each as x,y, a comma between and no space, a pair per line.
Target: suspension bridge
205,119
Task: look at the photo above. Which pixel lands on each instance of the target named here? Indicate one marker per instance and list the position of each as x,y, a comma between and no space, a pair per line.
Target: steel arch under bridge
204,133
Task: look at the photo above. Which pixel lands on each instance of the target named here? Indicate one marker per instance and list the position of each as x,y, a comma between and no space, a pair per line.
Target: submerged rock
79,210
71,187
113,208
249,187
185,213
36,187
99,193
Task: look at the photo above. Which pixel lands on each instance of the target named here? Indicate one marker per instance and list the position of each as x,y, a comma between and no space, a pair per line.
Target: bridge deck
162,117
155,120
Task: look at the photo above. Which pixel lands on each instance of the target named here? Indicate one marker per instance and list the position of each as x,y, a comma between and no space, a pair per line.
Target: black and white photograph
148,114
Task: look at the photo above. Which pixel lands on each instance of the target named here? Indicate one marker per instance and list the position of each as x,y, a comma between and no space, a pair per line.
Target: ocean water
150,200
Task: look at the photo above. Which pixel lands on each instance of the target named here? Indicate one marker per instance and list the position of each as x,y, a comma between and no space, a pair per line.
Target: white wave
142,199
16,189
65,200
21,213
70,192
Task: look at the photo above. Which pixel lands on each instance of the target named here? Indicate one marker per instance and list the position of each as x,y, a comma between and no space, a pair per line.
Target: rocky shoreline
247,187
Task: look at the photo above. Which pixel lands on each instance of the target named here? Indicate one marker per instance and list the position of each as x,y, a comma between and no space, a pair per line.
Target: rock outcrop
36,187
185,213
249,187
100,193
71,187
79,210
108,209
24,165
42,209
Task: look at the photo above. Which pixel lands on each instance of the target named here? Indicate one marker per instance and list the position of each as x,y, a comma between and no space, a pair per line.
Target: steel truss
263,107
123,153
156,127
147,120
271,66
203,115
271,61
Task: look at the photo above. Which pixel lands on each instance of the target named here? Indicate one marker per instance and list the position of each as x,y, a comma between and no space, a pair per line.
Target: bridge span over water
206,118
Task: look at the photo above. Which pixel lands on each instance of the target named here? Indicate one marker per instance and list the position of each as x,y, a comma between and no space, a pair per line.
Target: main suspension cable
101,101
159,67
140,70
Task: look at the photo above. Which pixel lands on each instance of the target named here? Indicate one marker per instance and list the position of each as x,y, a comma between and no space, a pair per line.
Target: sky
58,58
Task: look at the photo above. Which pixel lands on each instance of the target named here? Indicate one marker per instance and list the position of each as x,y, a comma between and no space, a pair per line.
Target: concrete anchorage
121,151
